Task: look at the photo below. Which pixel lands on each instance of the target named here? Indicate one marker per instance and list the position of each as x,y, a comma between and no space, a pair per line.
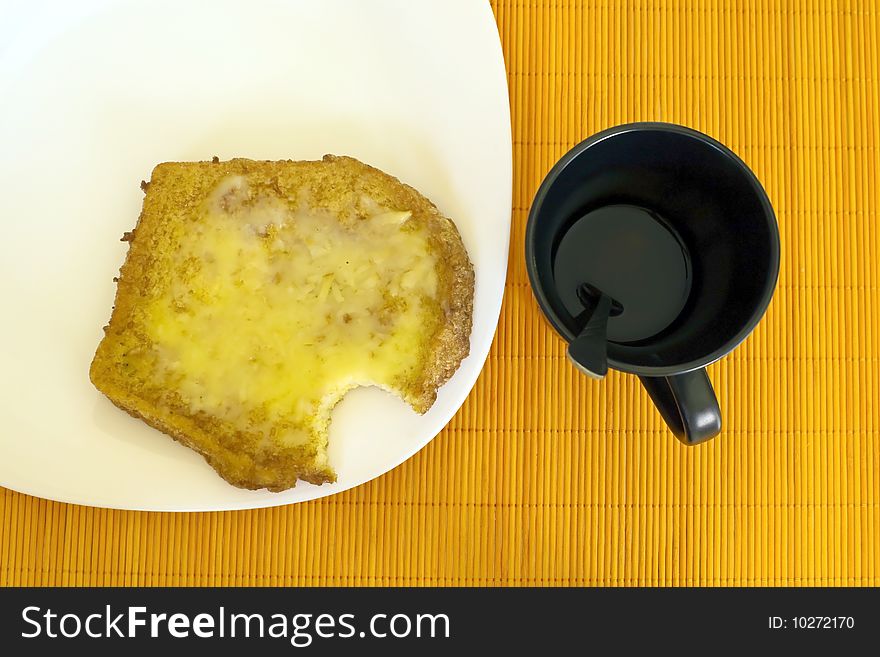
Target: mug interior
712,201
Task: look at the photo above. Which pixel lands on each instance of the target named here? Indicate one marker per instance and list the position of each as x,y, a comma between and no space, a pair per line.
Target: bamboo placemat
545,477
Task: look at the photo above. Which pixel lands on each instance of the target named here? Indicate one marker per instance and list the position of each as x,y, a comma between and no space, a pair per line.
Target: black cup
671,207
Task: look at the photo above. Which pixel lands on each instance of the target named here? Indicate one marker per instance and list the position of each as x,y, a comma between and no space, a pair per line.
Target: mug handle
687,403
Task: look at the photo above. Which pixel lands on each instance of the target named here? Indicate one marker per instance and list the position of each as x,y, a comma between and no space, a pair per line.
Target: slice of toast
256,294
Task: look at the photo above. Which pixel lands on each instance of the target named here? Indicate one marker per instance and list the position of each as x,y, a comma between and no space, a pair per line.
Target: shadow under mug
596,215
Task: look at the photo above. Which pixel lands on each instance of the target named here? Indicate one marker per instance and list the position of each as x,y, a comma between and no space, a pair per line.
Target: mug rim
646,126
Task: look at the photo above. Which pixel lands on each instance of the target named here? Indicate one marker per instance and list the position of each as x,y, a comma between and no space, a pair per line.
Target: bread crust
331,183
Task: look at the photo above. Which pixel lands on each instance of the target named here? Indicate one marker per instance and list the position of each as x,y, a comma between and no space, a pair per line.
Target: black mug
679,232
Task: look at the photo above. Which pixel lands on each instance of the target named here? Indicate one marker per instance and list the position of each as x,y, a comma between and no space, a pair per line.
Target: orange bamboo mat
545,477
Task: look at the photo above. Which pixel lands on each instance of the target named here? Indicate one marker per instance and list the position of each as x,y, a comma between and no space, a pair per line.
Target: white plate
93,94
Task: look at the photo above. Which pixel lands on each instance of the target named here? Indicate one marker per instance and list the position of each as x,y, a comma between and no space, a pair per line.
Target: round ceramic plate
93,94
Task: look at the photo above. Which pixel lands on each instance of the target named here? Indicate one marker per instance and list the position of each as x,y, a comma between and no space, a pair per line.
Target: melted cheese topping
278,309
